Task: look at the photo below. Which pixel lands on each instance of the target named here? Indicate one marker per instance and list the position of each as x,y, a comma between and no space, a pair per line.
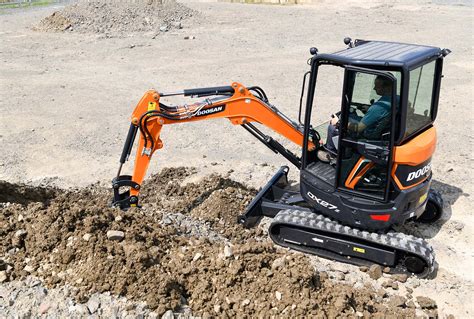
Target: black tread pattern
399,241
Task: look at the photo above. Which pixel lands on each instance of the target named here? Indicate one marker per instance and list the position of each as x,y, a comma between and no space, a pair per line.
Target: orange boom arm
236,102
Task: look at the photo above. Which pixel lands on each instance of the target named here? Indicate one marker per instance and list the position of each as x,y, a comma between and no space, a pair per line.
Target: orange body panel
353,179
413,153
242,107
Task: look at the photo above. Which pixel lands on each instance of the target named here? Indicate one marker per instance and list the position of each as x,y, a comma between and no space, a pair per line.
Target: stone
363,268
278,295
21,233
279,263
217,308
118,218
245,302
177,25
339,276
426,303
43,308
387,283
397,301
411,304
400,277
375,272
386,270
228,252
3,276
168,315
164,28
115,235
409,290
29,268
87,236
197,256
93,304
189,37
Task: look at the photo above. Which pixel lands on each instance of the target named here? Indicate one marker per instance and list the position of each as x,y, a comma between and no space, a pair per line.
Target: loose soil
117,17
61,237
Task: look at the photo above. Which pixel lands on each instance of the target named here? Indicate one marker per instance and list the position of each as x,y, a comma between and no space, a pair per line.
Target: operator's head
382,85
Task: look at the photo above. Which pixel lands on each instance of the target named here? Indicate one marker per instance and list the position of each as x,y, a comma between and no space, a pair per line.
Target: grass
7,5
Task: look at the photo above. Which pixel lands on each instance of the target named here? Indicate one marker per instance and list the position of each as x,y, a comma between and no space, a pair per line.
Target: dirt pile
73,237
118,17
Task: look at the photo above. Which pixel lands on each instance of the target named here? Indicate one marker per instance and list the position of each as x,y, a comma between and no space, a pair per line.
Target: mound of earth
117,17
162,253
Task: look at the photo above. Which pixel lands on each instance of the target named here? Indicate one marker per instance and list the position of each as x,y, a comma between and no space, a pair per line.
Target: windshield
420,97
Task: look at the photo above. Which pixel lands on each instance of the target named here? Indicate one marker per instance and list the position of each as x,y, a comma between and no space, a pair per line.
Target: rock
93,304
400,277
197,256
278,295
397,301
152,315
29,269
43,308
87,236
363,268
245,302
118,218
339,276
228,252
217,308
115,235
387,283
279,263
411,304
189,37
20,218
31,281
164,28
177,25
409,290
426,303
386,270
359,314
20,233
3,276
168,315
375,272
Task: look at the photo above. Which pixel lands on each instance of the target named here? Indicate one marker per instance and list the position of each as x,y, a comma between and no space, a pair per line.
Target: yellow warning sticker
359,250
422,198
151,106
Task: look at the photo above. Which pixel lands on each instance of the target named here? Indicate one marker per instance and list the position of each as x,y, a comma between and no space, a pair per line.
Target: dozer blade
316,234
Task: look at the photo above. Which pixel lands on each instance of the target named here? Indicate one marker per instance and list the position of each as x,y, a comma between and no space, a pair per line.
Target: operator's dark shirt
375,113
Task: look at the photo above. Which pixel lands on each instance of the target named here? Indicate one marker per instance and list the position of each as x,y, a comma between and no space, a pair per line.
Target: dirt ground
65,100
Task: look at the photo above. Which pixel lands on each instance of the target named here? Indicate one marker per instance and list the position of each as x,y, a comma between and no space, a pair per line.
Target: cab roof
380,53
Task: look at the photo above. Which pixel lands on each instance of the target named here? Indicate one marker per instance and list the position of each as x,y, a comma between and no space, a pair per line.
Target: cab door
366,132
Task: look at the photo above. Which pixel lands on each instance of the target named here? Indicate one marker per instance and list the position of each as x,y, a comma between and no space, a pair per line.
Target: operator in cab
367,126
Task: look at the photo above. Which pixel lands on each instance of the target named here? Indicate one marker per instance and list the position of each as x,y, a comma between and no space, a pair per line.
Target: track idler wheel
414,264
434,208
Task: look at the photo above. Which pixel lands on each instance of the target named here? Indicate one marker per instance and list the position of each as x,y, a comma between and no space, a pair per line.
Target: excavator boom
241,105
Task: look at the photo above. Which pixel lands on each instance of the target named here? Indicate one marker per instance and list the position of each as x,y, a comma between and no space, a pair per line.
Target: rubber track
400,241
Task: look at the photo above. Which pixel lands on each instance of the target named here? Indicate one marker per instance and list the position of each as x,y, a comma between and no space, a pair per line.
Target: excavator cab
385,136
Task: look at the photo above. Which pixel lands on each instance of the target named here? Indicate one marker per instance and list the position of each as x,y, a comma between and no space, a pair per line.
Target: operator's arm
374,114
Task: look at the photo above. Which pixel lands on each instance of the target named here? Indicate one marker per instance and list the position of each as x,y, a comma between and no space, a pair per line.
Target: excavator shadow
450,195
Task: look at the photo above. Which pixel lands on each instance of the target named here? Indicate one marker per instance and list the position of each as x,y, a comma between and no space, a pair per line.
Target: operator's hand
334,120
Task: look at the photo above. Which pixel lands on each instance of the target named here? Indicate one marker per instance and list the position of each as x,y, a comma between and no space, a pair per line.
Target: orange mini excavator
379,174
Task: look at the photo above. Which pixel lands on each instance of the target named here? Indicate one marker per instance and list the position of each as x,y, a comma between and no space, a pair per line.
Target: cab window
420,98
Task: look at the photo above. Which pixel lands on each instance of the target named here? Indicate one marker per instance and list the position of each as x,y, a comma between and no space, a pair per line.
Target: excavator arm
241,105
